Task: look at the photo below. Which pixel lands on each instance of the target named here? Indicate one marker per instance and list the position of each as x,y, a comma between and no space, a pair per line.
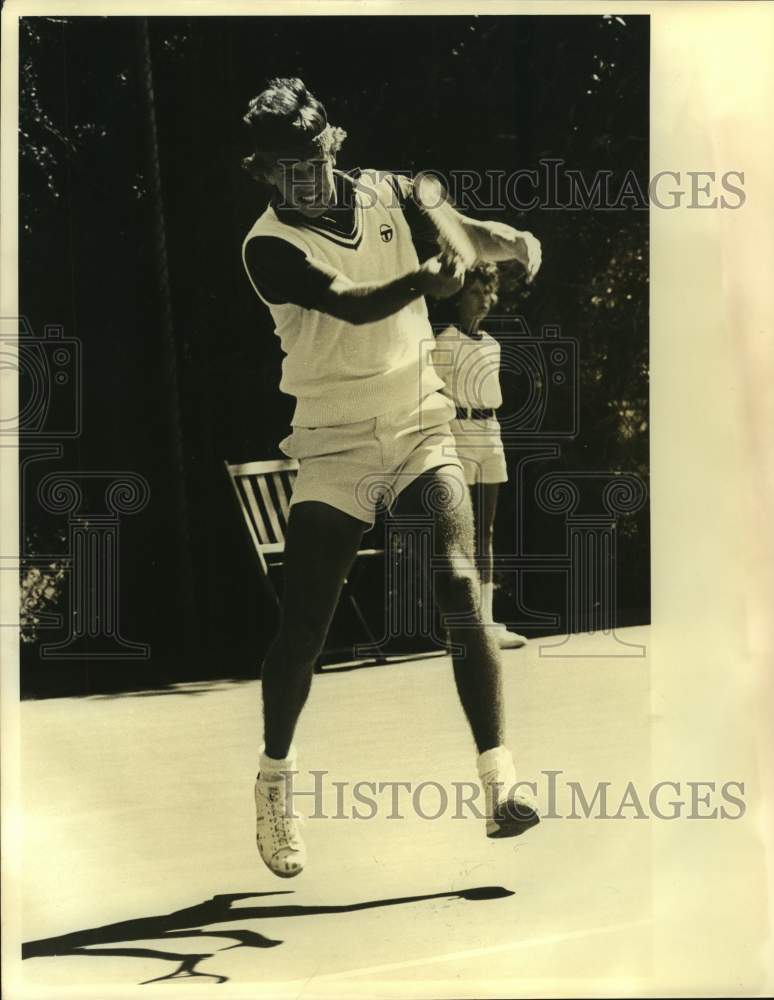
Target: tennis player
333,257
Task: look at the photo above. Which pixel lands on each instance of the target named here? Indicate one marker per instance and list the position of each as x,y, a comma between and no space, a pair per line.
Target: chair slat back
263,490
281,484
271,506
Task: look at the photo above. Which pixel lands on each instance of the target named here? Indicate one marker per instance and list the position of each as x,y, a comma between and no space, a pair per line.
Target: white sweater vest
341,373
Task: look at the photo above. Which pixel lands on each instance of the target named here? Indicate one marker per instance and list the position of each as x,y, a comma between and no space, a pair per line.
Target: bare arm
491,241
498,241
370,302
282,273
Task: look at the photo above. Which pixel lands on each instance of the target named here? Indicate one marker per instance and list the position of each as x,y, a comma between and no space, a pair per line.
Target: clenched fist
441,276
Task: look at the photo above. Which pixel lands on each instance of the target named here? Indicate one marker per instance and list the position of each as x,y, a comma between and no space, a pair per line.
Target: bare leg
456,592
320,547
484,497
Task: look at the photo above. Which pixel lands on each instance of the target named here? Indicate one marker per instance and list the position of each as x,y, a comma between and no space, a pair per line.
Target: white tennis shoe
510,811
277,835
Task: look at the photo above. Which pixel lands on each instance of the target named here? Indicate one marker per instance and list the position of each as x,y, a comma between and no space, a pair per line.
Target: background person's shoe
508,639
279,842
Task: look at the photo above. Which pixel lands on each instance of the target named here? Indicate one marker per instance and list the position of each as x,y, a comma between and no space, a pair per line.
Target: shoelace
499,787
503,797
283,827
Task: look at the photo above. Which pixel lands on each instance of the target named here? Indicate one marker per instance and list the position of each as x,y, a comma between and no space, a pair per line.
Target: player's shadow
194,922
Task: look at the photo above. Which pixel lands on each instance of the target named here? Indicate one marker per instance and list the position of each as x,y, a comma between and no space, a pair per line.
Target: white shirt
340,373
469,367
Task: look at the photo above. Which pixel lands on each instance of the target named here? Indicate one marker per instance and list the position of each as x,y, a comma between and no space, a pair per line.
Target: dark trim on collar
345,192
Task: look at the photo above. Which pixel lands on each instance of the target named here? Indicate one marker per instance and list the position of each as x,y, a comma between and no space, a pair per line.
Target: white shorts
480,450
361,466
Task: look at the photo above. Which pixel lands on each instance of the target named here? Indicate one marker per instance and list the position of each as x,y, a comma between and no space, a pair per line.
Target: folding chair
263,490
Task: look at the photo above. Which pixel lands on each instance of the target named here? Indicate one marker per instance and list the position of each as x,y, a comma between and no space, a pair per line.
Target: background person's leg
443,494
484,497
320,547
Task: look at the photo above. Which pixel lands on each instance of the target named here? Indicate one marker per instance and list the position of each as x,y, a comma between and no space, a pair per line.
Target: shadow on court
187,688
193,922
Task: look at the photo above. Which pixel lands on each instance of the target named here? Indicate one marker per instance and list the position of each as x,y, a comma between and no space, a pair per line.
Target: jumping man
334,259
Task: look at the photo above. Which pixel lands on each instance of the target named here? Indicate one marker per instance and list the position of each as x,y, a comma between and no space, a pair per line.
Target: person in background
468,360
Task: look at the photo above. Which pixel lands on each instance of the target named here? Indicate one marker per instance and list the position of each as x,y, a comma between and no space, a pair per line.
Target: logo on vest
385,232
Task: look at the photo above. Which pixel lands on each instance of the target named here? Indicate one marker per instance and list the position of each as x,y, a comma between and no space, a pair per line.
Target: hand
441,276
497,241
529,254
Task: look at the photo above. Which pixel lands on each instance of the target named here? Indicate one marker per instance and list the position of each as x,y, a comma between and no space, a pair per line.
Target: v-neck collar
341,222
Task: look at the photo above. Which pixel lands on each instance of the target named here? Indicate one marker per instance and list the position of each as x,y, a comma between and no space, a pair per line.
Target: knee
299,643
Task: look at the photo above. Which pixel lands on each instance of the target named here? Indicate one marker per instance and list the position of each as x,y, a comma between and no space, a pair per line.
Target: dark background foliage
442,93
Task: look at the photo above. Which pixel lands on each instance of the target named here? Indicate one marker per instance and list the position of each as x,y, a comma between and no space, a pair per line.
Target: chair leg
380,657
347,591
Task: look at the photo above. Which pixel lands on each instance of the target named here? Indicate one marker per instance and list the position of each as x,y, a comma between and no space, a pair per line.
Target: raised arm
492,241
498,241
282,273
369,302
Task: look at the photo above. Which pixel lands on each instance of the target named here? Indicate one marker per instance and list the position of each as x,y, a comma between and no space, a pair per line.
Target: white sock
487,594
271,769
497,759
